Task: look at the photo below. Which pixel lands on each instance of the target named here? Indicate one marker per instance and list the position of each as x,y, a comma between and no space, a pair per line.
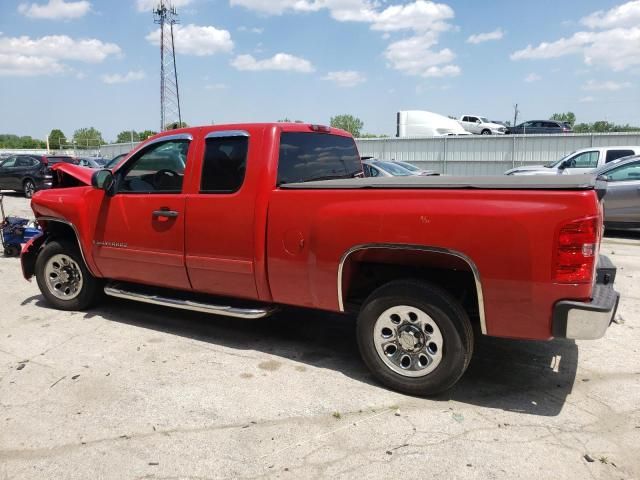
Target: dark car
540,127
29,173
115,161
622,200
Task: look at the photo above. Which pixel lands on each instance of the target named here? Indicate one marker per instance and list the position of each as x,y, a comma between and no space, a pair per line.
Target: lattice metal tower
166,16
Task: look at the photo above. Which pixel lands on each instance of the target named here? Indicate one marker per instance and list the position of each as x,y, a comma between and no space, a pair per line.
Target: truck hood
67,173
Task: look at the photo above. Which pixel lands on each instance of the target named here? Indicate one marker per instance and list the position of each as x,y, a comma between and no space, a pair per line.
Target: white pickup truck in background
584,160
481,125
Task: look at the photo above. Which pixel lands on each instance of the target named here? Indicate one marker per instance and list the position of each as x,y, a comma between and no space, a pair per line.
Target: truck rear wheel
63,277
414,337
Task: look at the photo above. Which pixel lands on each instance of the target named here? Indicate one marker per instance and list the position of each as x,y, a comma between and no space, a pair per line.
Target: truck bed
501,182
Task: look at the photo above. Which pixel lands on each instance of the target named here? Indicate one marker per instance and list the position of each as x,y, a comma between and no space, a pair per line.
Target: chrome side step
228,311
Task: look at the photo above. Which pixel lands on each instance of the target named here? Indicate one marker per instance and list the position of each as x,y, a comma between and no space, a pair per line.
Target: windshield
393,168
408,166
485,120
555,163
612,164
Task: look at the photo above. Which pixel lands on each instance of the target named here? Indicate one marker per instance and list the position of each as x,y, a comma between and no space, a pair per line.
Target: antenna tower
166,16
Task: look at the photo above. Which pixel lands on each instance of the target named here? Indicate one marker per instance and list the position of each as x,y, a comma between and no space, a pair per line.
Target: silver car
622,201
415,170
380,168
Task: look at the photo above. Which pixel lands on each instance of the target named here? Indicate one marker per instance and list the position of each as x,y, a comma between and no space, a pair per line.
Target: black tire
485,132
29,188
450,318
91,287
12,250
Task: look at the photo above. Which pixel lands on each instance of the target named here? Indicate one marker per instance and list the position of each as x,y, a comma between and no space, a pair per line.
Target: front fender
29,254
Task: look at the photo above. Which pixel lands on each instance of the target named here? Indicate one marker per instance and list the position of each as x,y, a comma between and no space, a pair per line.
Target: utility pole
515,114
166,16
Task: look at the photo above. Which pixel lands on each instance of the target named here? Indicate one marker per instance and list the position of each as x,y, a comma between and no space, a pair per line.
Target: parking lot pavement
132,391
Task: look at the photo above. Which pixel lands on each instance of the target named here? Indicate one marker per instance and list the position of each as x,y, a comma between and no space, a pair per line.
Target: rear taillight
577,246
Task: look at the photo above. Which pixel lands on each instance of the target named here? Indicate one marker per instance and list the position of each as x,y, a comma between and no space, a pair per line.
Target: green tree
57,138
127,136
14,141
88,138
569,117
146,134
349,123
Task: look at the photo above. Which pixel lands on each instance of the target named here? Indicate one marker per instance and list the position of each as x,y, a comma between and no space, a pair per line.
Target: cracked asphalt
133,391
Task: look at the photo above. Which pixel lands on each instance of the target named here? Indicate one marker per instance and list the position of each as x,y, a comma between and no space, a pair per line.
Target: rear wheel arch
453,271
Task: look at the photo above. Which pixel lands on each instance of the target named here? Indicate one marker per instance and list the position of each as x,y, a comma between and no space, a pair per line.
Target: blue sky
69,64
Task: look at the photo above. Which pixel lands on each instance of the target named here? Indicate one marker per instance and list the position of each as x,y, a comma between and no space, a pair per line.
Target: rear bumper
589,320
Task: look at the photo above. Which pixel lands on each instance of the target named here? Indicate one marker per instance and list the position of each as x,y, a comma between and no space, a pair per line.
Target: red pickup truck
239,220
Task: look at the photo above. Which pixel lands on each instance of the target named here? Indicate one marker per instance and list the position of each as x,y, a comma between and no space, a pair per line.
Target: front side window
585,160
624,173
157,169
225,163
305,157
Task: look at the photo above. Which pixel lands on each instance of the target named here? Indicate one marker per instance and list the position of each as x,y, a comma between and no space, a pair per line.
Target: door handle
165,212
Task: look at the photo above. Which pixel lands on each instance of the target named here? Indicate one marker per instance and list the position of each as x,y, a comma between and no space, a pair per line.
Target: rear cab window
306,157
616,154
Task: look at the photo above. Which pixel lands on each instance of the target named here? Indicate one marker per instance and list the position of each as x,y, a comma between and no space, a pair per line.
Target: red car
240,219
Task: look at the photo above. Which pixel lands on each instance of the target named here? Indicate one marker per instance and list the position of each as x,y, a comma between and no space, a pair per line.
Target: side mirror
103,180
478,121
564,164
603,177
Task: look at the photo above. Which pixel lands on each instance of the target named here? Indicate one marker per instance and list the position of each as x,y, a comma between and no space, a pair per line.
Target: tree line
601,126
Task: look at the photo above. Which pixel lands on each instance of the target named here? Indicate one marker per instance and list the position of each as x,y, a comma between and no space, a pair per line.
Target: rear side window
305,157
616,154
225,163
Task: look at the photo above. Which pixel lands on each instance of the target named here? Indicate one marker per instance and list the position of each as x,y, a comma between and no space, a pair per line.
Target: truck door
583,162
220,223
139,232
622,201
6,171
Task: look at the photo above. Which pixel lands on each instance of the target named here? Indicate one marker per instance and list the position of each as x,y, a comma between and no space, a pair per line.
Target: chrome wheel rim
408,341
29,189
63,277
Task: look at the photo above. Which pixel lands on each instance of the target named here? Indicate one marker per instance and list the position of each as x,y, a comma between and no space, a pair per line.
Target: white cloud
414,56
44,56
615,47
280,61
149,5
255,30
131,76
419,16
348,78
425,19
609,85
587,99
196,40
26,66
532,77
55,9
476,38
625,15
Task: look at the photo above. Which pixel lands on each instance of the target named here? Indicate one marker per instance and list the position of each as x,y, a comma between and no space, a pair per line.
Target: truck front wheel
486,132
63,277
415,337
